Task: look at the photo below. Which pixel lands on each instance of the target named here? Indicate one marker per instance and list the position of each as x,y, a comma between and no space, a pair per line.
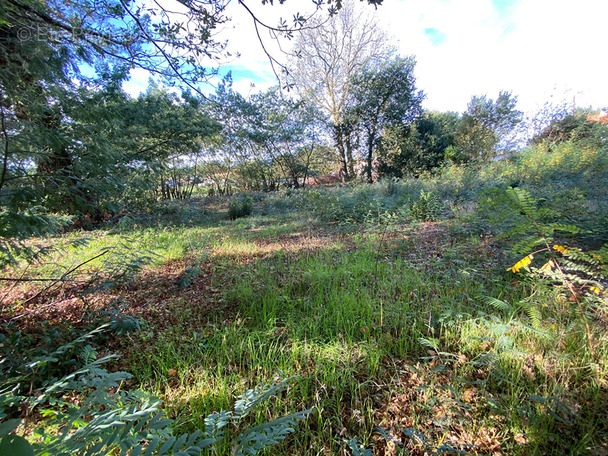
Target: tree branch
63,276
6,144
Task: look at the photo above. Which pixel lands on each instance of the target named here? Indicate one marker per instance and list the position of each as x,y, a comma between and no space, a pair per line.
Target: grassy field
391,304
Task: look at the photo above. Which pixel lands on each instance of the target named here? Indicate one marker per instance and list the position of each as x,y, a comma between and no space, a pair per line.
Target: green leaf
8,426
168,444
357,449
498,304
14,445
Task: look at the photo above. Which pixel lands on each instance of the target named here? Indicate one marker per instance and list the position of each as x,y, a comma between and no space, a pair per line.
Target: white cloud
560,45
448,72
534,48
137,83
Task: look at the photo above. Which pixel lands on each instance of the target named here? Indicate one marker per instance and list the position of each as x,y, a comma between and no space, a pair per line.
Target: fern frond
498,304
563,227
261,437
215,422
430,342
523,200
534,315
253,397
528,243
533,330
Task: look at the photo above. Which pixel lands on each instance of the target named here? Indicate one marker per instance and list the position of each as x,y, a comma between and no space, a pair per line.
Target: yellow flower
561,249
596,290
521,263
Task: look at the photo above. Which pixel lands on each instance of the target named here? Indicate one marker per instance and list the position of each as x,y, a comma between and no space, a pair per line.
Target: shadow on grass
382,331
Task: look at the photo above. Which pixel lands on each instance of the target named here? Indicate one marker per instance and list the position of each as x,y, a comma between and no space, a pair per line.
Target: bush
240,206
427,208
538,234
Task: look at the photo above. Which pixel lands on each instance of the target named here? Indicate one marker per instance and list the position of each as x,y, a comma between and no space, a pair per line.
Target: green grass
385,322
352,321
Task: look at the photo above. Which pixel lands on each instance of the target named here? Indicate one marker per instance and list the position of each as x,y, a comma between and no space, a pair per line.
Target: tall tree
485,124
61,67
384,94
420,147
161,134
289,131
326,57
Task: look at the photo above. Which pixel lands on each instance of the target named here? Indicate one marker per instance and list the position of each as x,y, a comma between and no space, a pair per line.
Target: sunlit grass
383,325
350,319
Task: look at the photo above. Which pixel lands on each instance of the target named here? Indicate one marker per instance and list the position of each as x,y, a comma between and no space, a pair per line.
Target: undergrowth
460,313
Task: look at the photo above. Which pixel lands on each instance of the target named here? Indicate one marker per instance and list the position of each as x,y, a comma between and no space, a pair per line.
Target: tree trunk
339,137
370,153
370,150
349,154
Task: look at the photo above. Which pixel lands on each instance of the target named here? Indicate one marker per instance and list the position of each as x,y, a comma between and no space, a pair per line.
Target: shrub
240,206
427,208
579,274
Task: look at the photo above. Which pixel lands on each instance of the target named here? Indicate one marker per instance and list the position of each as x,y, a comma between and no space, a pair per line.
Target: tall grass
386,321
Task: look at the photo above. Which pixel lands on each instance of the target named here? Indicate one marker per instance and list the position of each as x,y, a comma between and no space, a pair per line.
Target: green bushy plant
15,227
240,206
538,236
427,208
357,204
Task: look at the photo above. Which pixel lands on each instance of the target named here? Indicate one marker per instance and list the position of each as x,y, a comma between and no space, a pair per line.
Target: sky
540,50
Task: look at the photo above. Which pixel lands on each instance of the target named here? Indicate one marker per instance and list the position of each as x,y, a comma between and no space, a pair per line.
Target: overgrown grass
386,321
356,326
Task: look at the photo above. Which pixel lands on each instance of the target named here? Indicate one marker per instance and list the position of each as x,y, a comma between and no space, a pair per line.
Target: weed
240,206
427,208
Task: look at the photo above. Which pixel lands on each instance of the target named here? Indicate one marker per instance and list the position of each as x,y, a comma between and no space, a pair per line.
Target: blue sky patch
436,36
242,72
504,7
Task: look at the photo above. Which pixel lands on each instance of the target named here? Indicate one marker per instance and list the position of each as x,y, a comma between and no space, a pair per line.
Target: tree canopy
384,94
75,145
177,40
72,141
486,123
326,58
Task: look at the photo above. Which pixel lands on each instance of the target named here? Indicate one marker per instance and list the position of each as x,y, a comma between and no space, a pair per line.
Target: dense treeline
75,144
76,147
